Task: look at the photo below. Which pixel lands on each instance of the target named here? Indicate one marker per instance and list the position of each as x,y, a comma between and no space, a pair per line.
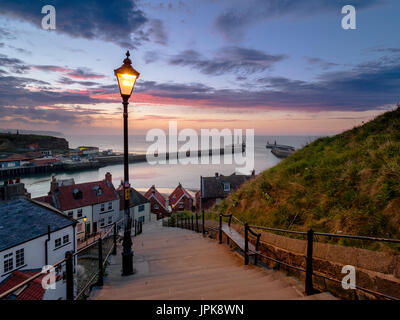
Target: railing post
115,240
203,230
101,275
246,243
309,268
197,223
220,229
192,224
69,269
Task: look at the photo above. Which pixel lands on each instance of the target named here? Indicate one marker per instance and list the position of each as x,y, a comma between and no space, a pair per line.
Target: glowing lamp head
84,219
126,77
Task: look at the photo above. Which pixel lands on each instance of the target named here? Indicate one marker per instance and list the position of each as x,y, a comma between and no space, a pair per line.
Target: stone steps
179,264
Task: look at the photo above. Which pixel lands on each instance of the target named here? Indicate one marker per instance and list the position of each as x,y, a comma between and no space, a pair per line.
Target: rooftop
23,220
213,187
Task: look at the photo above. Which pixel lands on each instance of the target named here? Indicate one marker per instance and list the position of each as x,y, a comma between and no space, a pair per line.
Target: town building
180,199
158,204
139,208
214,189
95,205
33,235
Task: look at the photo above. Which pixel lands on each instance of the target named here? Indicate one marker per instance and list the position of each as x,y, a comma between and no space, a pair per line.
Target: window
109,219
19,257
8,262
109,205
141,208
70,213
227,186
102,207
156,206
173,197
101,221
57,242
141,219
181,205
66,239
79,213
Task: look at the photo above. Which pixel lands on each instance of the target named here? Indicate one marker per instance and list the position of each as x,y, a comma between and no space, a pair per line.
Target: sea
164,176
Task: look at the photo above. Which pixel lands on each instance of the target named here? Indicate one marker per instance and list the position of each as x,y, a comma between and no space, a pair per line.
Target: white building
41,236
95,205
139,206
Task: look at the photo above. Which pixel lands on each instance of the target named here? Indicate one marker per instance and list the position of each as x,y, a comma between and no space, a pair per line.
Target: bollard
309,268
101,275
114,252
220,229
69,269
197,223
246,243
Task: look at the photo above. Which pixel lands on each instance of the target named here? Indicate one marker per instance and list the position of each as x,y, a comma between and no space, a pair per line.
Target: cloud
365,87
157,32
79,73
13,64
240,15
120,22
321,63
68,81
227,60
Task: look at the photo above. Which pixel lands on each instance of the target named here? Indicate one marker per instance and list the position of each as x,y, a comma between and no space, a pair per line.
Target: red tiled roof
34,290
179,192
45,199
65,198
158,196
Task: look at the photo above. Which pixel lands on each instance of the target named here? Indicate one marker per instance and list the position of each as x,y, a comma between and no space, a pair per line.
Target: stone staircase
179,264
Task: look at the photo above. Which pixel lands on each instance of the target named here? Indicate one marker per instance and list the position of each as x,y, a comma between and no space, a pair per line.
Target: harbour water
165,177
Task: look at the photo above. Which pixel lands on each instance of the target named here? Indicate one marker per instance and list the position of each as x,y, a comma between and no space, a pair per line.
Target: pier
102,161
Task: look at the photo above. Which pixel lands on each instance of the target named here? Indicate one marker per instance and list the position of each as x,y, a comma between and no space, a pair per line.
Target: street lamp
126,77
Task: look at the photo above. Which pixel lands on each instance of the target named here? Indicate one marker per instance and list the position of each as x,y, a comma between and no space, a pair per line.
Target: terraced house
95,205
33,235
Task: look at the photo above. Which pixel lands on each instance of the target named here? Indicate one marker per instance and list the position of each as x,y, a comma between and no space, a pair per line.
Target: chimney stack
53,185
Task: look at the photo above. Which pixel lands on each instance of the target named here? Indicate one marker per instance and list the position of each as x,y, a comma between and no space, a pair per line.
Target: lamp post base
127,264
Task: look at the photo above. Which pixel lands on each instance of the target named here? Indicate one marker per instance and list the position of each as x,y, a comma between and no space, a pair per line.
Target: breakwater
102,161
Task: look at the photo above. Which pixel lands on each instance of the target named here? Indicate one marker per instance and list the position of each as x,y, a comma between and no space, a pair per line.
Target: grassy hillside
349,183
15,143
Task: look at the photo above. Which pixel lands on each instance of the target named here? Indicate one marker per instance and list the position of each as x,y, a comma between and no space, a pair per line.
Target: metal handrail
39,274
23,283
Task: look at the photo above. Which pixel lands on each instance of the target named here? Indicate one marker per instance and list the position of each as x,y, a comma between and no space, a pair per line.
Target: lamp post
126,77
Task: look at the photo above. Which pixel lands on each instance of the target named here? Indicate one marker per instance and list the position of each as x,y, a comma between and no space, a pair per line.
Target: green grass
349,184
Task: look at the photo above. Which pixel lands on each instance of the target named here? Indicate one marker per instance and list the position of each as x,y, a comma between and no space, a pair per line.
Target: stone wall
377,271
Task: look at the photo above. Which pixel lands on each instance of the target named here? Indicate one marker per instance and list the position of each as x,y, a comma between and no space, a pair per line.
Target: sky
279,67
